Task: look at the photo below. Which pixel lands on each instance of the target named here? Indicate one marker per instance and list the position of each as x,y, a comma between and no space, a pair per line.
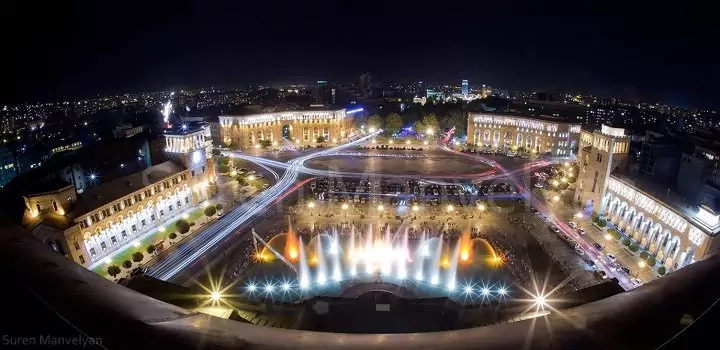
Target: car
597,246
573,224
579,250
591,263
638,282
611,257
625,269
555,229
580,230
539,185
602,274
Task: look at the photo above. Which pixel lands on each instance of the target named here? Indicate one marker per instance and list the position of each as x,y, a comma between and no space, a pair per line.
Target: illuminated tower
465,87
600,153
191,147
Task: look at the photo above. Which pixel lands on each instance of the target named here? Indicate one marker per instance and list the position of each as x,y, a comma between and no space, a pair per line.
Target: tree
215,152
183,226
651,262
458,120
150,249
265,143
127,264
172,235
223,169
418,127
374,122
210,211
137,257
218,207
393,123
430,124
661,270
644,255
242,181
320,139
113,270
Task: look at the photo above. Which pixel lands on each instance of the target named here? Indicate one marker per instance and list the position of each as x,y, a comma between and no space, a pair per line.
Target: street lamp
450,208
371,130
555,183
608,237
641,266
344,208
425,143
380,208
311,205
415,207
390,142
373,141
428,131
564,179
407,142
579,215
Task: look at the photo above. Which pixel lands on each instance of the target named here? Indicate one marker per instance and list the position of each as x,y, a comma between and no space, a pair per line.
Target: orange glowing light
293,254
464,255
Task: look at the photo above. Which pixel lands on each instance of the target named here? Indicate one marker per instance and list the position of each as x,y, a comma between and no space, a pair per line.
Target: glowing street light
311,205
555,183
374,141
415,207
344,206
251,178
564,179
579,215
380,207
641,264
371,129
481,207
257,146
136,244
556,198
425,143
215,296
428,131
391,142
450,208
108,261
407,142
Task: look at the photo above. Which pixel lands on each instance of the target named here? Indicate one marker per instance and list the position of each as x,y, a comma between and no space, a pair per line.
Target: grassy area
150,239
258,183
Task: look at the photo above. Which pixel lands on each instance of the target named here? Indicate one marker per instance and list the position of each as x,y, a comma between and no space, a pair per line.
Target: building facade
556,138
669,229
300,127
108,217
600,152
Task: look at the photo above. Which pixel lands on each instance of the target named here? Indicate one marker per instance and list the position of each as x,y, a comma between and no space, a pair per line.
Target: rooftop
546,118
667,197
105,193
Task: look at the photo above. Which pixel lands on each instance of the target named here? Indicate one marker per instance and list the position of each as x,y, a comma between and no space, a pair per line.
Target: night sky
60,51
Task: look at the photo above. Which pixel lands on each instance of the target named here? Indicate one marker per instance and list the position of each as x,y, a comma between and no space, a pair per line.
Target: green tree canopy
137,257
320,139
375,122
113,270
430,123
210,211
265,143
393,123
183,226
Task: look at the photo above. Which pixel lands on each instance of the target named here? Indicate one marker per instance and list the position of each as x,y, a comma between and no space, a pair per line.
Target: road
204,242
556,220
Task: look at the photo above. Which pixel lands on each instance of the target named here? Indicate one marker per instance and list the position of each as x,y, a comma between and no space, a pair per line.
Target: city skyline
587,50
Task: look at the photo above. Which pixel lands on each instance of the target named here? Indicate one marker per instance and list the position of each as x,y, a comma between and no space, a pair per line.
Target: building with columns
299,127
675,232
541,135
114,214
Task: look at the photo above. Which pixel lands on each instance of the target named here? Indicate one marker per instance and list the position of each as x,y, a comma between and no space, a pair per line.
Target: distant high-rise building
321,93
465,87
364,84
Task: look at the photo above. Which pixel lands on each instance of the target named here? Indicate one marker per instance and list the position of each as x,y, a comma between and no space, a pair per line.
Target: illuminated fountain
330,257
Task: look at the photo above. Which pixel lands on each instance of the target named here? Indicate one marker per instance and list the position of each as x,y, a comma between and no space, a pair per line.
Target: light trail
207,239
555,219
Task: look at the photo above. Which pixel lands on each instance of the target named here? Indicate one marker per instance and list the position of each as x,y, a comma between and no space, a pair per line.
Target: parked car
602,274
579,251
611,257
591,263
573,224
580,230
625,269
597,246
555,229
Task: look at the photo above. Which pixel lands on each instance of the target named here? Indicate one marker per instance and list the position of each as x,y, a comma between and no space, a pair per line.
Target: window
76,245
92,251
203,169
54,205
83,224
170,207
152,217
37,205
178,204
82,259
134,228
123,234
595,181
113,240
162,213
187,200
103,245
142,222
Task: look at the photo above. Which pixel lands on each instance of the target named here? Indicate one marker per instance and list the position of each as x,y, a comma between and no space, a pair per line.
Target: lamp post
555,199
344,208
608,237
311,205
641,265
481,208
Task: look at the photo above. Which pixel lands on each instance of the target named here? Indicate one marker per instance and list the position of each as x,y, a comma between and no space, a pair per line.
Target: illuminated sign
610,131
